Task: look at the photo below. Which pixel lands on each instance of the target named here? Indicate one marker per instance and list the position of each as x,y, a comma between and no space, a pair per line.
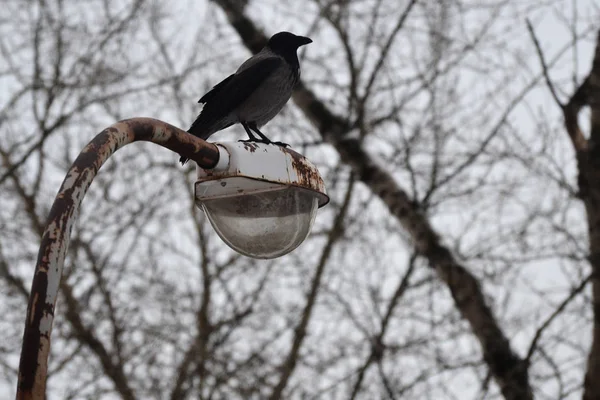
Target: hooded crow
255,93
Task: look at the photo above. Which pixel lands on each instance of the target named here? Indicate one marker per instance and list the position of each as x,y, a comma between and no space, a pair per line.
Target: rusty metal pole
33,366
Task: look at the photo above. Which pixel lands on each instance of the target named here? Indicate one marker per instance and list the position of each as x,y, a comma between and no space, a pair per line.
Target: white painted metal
254,167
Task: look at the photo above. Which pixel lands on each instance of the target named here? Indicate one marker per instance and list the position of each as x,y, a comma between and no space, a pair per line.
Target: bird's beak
302,40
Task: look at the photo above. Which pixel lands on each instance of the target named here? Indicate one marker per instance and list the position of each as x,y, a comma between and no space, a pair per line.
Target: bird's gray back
272,95
260,56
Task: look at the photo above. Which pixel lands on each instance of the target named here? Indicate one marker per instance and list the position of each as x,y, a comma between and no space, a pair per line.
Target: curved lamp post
222,191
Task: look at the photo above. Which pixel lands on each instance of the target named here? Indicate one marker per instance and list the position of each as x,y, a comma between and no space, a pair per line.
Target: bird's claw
281,144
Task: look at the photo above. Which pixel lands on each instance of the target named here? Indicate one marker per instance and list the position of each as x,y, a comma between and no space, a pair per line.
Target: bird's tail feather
205,128
183,160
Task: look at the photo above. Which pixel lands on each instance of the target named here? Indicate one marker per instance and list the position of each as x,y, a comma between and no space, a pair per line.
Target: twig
561,307
543,62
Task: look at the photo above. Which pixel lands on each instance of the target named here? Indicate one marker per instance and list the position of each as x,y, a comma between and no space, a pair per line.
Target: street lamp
266,203
260,199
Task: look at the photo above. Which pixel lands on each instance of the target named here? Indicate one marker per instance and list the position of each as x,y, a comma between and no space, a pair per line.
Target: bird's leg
252,125
251,136
265,139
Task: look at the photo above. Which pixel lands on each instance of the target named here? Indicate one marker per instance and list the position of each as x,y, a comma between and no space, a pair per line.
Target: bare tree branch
539,332
335,234
544,65
508,369
378,348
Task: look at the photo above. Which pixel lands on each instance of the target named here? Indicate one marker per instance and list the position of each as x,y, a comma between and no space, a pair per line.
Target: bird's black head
286,43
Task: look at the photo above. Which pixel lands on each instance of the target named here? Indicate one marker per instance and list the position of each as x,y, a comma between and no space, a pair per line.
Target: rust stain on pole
33,365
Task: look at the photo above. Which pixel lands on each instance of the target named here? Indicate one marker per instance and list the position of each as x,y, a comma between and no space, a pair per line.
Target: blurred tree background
459,256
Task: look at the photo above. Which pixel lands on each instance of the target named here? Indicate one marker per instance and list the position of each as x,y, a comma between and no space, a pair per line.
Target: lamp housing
261,199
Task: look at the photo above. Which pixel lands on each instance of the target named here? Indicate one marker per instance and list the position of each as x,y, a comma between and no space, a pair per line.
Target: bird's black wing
215,90
236,88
